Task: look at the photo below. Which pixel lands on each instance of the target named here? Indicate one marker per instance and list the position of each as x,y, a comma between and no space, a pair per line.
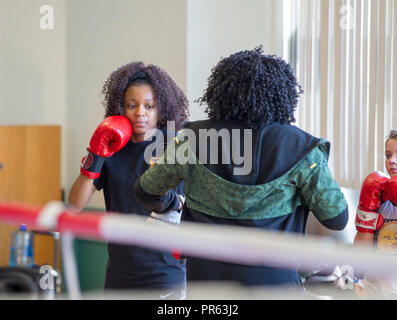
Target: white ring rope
234,244
49,215
249,246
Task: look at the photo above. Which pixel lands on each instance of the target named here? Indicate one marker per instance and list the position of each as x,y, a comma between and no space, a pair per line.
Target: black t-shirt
131,266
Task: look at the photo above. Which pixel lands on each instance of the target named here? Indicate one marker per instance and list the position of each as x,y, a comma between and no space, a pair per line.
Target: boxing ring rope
233,244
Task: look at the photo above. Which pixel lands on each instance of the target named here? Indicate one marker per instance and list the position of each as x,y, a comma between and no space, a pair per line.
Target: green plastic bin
91,258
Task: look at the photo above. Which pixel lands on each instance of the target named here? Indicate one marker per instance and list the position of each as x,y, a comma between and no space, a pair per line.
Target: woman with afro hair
139,99
251,99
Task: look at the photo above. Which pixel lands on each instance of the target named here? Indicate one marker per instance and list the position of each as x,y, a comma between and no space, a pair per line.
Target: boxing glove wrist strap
368,221
91,165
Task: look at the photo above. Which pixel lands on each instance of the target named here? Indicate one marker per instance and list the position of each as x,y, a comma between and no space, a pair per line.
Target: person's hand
170,218
112,134
181,201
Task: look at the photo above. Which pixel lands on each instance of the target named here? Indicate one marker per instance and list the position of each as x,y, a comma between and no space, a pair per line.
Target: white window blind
344,55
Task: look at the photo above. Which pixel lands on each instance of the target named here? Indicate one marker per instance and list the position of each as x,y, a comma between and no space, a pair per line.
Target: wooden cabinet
30,173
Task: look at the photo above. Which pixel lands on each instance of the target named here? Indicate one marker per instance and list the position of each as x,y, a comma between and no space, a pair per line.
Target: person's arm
375,185
320,191
112,134
339,222
366,239
368,220
81,192
153,188
169,201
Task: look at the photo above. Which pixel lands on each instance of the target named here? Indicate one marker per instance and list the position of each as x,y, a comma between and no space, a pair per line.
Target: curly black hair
252,89
170,100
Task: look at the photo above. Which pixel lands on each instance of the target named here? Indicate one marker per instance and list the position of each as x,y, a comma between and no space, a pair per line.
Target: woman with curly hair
250,100
139,100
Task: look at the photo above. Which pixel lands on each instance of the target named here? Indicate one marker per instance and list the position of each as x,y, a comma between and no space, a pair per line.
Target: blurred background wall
219,28
55,76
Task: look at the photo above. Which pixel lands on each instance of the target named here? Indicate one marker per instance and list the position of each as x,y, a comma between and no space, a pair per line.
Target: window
344,55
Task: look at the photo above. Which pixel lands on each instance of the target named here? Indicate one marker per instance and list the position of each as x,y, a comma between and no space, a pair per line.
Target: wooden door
29,174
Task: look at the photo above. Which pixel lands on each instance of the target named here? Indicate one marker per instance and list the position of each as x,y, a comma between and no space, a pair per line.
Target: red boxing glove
390,192
367,219
112,134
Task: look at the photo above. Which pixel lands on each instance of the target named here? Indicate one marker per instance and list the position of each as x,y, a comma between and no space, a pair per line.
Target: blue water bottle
21,253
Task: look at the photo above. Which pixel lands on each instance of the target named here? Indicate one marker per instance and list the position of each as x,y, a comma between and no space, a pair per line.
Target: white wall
218,28
32,66
56,76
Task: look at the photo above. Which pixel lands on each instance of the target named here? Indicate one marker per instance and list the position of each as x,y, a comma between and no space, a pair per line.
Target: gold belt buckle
387,238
